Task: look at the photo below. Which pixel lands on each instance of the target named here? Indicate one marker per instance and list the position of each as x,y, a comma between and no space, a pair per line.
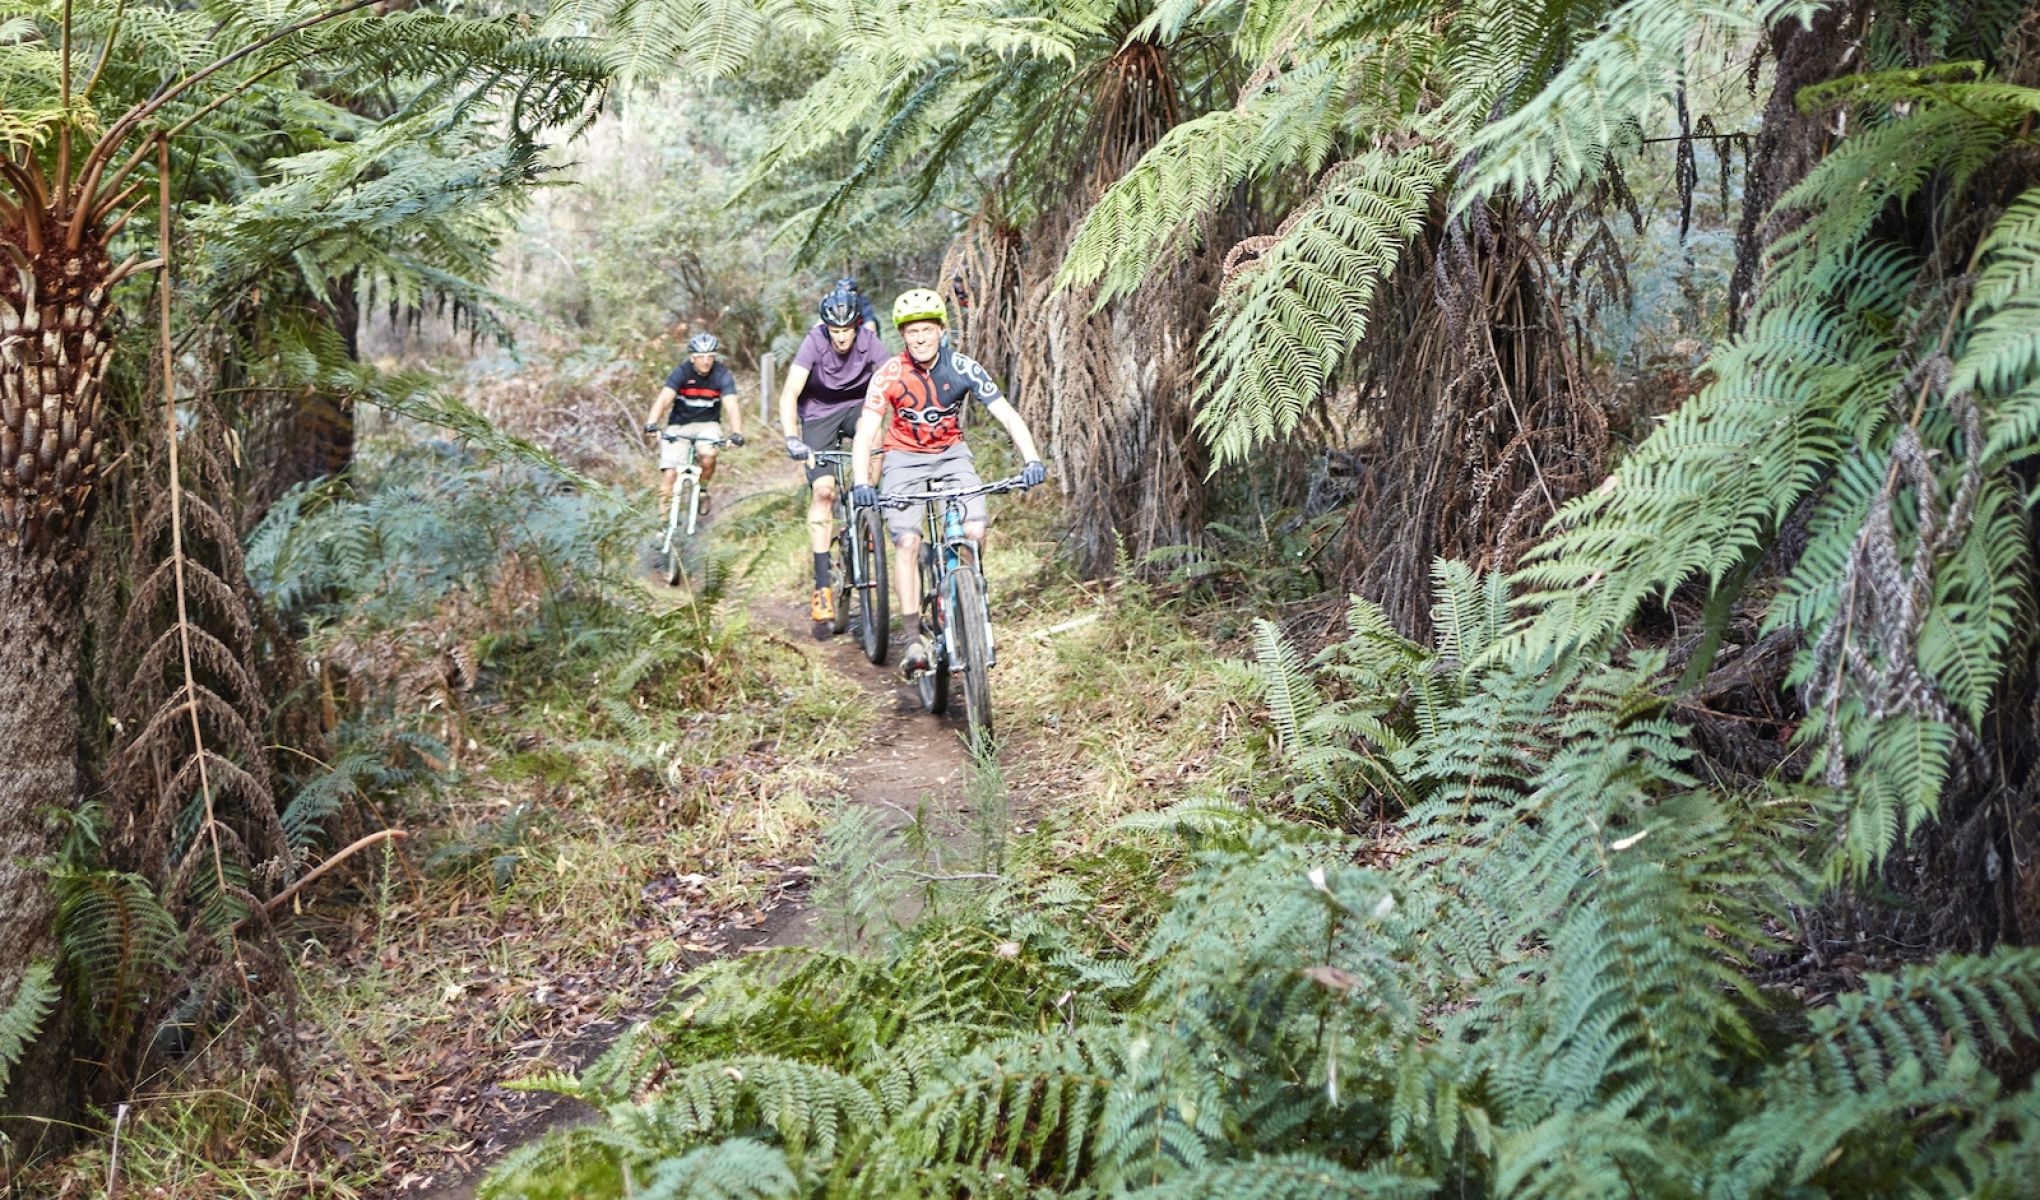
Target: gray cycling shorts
905,471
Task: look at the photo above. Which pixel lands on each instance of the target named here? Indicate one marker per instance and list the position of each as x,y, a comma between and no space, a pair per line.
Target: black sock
821,570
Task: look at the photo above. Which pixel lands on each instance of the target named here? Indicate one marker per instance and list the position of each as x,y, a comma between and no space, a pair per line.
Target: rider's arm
869,422
1004,413
789,397
661,406
732,408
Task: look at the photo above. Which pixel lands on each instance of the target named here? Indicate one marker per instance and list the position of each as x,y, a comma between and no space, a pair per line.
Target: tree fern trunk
1790,142
38,730
53,353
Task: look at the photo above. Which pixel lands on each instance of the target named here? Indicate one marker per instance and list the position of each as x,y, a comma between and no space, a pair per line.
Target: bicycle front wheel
874,598
679,525
972,625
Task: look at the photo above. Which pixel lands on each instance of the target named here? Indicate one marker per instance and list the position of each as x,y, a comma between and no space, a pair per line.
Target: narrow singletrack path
911,762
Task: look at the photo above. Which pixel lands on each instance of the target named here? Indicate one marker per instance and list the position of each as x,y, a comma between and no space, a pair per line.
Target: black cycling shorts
824,432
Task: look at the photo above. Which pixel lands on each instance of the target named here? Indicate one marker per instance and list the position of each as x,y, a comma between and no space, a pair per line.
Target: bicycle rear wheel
842,545
874,598
972,625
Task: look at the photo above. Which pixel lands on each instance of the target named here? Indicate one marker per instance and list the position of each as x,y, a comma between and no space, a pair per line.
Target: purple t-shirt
836,381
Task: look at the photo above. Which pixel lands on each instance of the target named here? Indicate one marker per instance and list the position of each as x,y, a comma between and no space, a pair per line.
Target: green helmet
919,304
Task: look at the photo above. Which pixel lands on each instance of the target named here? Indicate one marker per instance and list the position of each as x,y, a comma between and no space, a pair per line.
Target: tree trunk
39,620
53,354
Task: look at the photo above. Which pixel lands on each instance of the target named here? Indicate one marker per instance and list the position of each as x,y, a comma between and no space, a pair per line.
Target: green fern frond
1300,308
23,1014
120,942
1609,92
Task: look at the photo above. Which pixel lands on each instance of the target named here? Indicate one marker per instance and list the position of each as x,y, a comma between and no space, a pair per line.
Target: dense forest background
1554,479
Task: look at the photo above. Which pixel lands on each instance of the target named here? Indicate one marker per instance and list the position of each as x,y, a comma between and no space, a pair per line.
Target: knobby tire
972,632
935,680
874,599
841,547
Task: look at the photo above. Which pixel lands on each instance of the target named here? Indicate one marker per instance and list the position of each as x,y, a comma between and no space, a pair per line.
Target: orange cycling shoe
823,607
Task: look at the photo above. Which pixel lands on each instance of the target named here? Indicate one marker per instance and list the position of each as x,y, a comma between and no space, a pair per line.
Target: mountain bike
683,514
857,563
959,621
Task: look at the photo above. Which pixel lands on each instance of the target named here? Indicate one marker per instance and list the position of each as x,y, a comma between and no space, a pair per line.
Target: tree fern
1608,94
1299,308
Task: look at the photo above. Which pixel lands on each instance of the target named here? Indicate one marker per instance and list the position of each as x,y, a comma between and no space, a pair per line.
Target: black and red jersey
926,403
698,397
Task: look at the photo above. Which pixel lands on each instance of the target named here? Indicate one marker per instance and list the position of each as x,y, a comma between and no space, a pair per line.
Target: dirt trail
909,759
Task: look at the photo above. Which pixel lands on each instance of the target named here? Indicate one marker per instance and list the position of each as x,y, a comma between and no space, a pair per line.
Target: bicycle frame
686,476
838,461
943,549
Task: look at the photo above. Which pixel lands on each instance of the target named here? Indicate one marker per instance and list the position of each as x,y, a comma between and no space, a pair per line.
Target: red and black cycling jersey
698,397
926,403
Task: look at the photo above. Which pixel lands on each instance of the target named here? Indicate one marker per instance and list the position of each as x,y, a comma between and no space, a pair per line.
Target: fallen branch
1066,626
283,897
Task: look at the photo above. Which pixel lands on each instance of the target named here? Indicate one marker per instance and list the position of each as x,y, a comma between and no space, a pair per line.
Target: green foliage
1288,320
1616,86
1243,565
1544,992
121,945
23,1014
1872,400
433,521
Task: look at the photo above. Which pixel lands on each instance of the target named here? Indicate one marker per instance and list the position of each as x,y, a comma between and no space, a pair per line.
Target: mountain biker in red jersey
818,407
913,410
696,394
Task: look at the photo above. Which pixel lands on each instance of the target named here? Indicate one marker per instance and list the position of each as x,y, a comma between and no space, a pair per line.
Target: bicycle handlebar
906,499
696,438
832,456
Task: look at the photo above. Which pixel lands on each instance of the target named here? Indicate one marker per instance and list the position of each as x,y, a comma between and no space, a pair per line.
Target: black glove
797,449
1033,474
651,429
736,439
864,495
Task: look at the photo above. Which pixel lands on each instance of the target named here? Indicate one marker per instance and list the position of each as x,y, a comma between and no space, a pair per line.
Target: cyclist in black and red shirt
915,404
696,395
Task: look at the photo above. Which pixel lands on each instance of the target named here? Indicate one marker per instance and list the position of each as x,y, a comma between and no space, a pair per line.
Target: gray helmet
703,343
840,308
846,284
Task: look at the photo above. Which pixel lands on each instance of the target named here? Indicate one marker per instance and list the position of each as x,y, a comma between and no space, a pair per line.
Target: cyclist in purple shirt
818,408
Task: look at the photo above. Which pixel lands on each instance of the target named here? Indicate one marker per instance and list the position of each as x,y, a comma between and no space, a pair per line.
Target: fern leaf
23,1014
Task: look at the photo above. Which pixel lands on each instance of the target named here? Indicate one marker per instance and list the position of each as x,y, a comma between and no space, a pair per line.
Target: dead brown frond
1487,420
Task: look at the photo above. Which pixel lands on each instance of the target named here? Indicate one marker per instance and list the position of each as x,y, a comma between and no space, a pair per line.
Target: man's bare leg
906,569
821,513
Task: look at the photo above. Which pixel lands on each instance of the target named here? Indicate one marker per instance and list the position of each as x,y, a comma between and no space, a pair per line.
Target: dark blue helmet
846,284
840,308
